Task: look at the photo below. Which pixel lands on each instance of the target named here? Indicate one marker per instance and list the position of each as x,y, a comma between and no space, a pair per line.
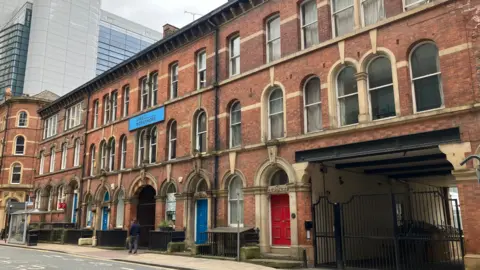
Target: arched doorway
146,214
105,210
201,213
280,211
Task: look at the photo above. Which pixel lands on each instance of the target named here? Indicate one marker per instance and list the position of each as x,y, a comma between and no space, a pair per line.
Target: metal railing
159,240
225,244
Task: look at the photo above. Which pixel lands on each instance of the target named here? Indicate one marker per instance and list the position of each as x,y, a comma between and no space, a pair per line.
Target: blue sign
151,117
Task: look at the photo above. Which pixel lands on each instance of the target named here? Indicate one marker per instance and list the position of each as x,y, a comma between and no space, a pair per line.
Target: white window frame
103,155
174,81
16,173
362,10
144,93
96,104
167,201
52,160
50,200
64,156
154,87
305,105
303,26
370,90
201,70
270,40
73,116
172,140
92,160
152,143
230,200
50,126
334,32
76,155
38,199
235,124
343,97
111,156
17,144
60,197
270,114
234,57
141,148
41,170
126,100
22,122
114,106
106,109
123,157
120,216
413,5
438,73
199,133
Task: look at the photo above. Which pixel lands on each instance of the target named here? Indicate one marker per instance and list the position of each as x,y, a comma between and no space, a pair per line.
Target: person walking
134,235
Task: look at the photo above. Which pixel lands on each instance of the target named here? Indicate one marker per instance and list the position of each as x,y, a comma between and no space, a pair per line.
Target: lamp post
477,169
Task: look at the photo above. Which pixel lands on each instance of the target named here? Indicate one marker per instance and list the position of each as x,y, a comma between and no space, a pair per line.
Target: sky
155,13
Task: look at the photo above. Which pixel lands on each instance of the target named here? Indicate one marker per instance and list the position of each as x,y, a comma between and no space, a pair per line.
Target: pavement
94,257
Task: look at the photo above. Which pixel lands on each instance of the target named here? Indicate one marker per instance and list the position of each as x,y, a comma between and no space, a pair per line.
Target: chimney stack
168,30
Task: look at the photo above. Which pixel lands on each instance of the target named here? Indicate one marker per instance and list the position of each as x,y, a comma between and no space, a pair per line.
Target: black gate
401,231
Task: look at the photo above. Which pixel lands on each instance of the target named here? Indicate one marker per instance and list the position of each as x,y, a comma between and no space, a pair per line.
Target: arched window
201,69
279,178
201,132
92,160
16,175
20,145
114,105
64,156
171,206
76,157
426,77
106,196
95,113
275,114
313,105
144,93
103,155
123,157
347,94
153,145
235,200
380,88
50,199
154,88
38,199
309,20
126,100
52,160
120,209
111,159
89,212
141,148
235,124
60,196
106,109
172,140
22,119
42,163
202,186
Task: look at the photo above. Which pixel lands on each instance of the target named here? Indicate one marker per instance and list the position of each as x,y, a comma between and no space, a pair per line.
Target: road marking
124,268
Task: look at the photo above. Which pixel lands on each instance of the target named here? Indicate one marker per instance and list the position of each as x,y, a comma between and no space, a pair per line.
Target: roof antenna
192,13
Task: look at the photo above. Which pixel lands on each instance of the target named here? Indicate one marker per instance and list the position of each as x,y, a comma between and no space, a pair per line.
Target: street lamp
477,169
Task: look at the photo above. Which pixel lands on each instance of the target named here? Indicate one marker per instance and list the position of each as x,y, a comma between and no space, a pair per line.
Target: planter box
112,238
159,240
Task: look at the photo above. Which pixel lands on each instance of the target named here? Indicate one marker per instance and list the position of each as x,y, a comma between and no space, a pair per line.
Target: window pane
349,110
344,22
309,12
425,60
234,219
310,33
236,188
379,72
202,142
383,103
202,122
314,118
312,91
347,84
276,125
274,28
235,47
274,50
427,93
373,11
279,178
236,135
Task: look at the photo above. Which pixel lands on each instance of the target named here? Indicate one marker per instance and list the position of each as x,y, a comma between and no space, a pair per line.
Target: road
25,259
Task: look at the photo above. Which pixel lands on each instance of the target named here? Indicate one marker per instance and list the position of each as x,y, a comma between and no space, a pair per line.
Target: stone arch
117,191
193,179
99,193
139,182
268,168
74,183
228,176
264,108
332,89
166,184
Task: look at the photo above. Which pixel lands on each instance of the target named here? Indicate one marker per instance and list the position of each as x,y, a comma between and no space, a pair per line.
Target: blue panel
104,218
151,117
74,213
202,219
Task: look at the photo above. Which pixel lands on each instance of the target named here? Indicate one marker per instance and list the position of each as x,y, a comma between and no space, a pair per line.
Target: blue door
104,218
202,220
74,213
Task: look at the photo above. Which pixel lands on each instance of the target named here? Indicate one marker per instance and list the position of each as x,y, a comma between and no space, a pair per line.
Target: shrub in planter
165,226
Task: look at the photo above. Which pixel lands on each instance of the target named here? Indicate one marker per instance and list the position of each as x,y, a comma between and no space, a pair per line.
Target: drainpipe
5,135
217,135
82,174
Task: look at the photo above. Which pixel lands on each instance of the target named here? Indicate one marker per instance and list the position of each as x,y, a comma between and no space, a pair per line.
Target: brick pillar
113,214
159,210
179,212
130,211
222,211
325,23
249,209
83,217
67,212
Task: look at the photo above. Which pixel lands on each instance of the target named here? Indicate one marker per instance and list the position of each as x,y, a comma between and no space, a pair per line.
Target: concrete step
278,263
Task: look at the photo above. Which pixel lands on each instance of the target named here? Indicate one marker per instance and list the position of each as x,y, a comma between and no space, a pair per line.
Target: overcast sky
156,13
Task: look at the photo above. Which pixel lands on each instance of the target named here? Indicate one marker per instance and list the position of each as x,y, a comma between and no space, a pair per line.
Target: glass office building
14,38
120,39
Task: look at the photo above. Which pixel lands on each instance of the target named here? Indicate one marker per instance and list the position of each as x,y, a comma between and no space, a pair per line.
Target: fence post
238,226
395,231
314,235
338,232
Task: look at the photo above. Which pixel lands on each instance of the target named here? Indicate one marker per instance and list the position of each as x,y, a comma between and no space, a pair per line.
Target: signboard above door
146,119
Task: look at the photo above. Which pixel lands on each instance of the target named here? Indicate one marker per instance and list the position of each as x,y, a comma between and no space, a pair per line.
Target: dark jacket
135,230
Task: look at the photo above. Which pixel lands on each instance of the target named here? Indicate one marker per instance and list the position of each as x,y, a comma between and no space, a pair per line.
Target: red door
280,220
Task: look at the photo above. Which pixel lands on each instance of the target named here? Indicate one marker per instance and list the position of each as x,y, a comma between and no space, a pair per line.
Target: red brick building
19,126
359,110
